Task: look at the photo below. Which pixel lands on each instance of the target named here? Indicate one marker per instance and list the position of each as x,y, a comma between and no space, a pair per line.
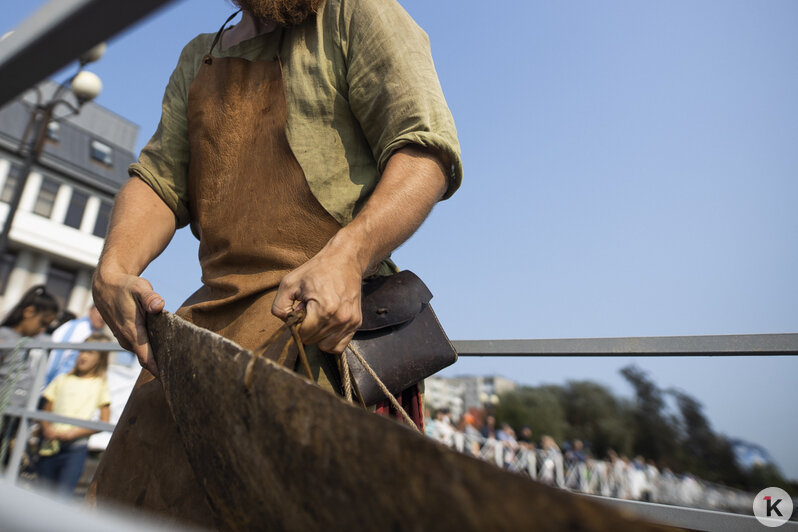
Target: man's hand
124,301
328,286
141,227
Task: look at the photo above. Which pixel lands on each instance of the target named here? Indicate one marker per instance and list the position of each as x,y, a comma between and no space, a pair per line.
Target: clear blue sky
631,169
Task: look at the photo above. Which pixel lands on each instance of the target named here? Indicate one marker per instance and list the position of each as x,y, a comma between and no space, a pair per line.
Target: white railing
618,479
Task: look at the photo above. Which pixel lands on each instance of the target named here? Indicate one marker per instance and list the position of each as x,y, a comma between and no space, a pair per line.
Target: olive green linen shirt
360,84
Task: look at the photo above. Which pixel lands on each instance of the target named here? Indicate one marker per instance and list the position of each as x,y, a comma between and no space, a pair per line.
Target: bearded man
303,145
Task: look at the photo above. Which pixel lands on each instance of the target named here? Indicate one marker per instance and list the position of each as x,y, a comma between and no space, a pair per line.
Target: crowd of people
75,384
571,465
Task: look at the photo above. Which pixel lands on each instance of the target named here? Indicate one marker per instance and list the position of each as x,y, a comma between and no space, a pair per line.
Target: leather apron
256,220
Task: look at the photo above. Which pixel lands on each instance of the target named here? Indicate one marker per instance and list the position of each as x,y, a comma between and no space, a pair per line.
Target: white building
440,393
459,394
484,390
63,215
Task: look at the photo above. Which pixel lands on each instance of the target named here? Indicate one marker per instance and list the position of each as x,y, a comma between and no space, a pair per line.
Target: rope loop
294,322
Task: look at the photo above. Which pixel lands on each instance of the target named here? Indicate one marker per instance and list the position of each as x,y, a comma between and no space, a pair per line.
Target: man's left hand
328,287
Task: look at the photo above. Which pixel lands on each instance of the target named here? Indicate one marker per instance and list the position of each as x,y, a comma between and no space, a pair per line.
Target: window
103,217
60,283
46,199
7,262
77,205
53,130
101,152
11,183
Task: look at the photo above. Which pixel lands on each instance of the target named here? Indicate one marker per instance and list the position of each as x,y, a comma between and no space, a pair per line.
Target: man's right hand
124,301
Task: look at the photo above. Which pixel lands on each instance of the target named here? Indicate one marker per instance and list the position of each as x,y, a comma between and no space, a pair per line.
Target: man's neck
247,28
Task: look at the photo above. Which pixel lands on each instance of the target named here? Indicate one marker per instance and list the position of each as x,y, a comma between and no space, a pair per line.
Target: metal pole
21,441
59,32
45,114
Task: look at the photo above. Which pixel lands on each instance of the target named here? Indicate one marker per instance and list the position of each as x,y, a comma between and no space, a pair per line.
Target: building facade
481,391
441,393
460,394
63,215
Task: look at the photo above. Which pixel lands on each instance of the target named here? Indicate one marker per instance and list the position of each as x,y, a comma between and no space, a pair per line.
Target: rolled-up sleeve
394,91
163,162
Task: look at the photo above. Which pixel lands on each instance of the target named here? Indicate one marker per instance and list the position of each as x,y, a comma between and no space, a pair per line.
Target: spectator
63,317
576,461
488,430
30,317
78,394
525,438
443,431
638,482
623,472
472,436
552,468
77,330
506,436
652,476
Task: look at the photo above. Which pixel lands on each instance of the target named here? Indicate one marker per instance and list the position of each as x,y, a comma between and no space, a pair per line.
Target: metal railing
613,479
59,32
20,357
651,346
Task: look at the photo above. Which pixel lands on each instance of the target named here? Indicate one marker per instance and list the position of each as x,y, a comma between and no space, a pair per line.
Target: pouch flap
393,300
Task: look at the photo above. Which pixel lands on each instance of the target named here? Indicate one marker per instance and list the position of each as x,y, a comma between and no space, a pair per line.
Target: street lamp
85,86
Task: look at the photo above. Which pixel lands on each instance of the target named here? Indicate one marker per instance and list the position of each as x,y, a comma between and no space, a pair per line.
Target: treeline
677,436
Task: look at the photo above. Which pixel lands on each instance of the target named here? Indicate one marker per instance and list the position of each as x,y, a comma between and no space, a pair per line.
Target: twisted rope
293,324
382,386
346,376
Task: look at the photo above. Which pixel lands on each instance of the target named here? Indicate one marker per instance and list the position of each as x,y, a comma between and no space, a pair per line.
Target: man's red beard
285,12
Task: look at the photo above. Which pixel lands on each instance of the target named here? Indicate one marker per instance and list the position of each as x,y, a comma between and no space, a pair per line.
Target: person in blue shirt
76,331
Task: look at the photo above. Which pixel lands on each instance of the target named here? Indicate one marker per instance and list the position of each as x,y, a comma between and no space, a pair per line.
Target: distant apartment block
460,394
441,393
63,215
484,390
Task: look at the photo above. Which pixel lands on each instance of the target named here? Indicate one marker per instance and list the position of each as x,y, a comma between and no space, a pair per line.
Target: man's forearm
413,181
141,227
329,284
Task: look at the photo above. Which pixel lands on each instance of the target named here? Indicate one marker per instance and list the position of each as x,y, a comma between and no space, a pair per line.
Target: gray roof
71,155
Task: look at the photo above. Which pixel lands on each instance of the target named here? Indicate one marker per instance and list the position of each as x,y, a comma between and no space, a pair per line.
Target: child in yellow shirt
77,394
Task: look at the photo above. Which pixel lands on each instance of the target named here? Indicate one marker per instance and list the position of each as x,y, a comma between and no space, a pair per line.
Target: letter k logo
772,506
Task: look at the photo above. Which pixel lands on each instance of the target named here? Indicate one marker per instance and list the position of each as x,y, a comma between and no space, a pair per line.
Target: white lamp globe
93,54
86,86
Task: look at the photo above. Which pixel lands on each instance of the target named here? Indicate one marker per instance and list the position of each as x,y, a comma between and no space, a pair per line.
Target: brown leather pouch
400,337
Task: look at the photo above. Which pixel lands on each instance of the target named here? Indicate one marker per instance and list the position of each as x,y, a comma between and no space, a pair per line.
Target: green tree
703,452
654,431
595,416
538,408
